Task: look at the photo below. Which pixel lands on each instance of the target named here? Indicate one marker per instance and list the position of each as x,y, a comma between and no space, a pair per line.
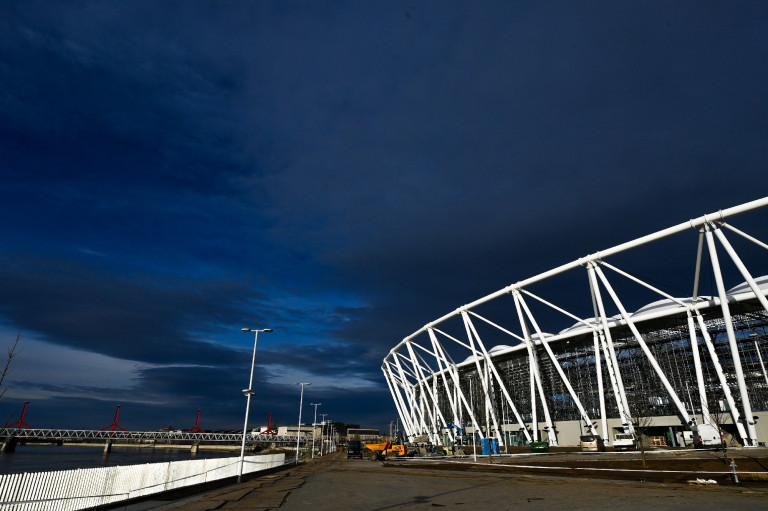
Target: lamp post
322,433
298,433
472,408
248,393
314,427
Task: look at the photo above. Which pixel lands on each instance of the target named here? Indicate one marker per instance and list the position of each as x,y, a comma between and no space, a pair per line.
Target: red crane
269,430
19,423
114,422
196,429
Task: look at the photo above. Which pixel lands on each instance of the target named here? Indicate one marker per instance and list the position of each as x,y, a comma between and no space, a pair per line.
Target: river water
45,458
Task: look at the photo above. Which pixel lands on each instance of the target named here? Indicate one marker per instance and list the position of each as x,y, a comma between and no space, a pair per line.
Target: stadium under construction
663,333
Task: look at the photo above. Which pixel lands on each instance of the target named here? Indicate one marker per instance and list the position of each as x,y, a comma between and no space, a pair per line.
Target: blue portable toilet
489,446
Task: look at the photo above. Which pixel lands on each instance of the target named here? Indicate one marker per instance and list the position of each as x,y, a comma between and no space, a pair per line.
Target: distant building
306,430
362,434
340,427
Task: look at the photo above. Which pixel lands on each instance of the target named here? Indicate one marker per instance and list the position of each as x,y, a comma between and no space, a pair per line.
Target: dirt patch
671,467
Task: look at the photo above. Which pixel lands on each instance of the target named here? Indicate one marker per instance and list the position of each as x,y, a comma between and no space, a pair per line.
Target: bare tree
717,417
12,352
641,422
641,419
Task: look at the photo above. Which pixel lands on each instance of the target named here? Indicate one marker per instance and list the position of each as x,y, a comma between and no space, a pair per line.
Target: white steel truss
619,365
52,435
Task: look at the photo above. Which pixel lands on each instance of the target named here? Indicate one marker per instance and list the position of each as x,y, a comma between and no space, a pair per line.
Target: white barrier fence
70,490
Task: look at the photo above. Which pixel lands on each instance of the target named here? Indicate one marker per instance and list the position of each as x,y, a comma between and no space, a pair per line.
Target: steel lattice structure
492,367
140,436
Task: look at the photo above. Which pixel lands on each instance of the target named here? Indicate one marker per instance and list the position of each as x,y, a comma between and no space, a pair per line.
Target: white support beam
648,354
556,365
600,389
695,223
403,409
442,360
694,340
417,416
535,376
742,269
489,407
500,381
436,415
424,394
613,363
746,405
734,411
460,394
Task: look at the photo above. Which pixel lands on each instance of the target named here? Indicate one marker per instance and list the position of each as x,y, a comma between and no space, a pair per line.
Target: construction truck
381,450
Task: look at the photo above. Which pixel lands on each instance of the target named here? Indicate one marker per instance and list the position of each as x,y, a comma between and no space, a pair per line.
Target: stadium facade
604,344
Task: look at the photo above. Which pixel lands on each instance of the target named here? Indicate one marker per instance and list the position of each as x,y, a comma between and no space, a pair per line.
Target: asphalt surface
335,483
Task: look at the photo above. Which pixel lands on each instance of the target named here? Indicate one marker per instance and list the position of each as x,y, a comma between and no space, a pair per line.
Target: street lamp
472,411
248,393
314,427
322,433
298,433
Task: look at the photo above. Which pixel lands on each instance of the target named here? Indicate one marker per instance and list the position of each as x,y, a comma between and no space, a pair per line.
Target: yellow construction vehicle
381,450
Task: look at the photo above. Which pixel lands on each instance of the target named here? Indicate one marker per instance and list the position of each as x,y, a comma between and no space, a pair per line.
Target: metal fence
70,490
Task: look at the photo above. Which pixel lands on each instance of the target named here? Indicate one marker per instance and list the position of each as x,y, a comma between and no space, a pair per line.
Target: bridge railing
140,436
72,490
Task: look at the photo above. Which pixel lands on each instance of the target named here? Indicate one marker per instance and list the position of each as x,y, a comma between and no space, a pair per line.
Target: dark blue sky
342,172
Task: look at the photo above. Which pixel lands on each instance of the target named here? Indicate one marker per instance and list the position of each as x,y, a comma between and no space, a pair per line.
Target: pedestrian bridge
143,437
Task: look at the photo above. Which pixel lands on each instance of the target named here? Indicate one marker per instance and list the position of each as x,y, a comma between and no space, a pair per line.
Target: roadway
333,482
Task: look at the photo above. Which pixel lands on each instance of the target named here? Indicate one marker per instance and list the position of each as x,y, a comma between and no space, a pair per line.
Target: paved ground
335,483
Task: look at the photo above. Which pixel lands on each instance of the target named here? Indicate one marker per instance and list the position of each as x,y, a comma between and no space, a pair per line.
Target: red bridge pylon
19,423
114,422
196,429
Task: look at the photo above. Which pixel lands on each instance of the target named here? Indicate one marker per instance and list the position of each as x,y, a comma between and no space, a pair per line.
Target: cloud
280,374
340,173
45,370
133,315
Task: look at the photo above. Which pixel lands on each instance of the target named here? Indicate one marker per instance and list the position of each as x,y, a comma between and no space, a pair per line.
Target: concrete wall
89,488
